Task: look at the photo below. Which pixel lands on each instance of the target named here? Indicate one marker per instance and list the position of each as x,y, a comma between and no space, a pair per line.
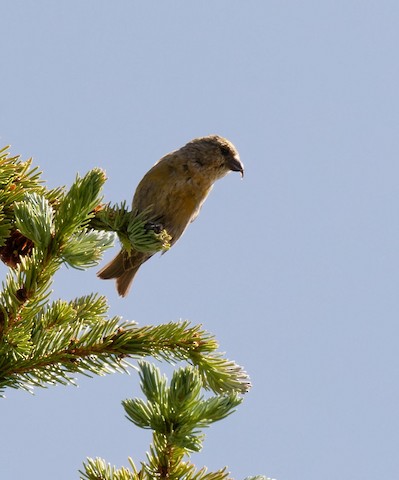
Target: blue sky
294,269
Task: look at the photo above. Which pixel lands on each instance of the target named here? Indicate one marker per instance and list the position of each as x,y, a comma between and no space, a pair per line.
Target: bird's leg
155,227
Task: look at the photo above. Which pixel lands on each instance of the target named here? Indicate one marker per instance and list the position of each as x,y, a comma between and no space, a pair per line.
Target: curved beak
235,165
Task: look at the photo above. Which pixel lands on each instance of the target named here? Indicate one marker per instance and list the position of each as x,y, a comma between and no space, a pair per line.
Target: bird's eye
225,150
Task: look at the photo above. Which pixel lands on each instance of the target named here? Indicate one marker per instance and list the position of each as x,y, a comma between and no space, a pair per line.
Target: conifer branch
176,414
258,477
66,339
138,230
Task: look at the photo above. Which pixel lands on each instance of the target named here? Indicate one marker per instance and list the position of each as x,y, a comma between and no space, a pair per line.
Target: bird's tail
114,269
124,282
123,268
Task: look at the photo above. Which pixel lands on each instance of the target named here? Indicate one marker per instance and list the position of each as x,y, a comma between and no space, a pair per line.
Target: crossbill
175,188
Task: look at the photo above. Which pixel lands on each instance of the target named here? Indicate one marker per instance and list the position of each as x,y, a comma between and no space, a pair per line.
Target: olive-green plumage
175,188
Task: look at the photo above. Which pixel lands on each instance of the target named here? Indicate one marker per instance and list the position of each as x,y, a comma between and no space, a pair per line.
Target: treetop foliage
44,342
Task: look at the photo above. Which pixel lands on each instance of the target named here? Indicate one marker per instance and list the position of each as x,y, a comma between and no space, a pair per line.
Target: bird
175,189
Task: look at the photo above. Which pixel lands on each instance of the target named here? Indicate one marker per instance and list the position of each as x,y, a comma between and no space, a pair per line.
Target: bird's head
214,155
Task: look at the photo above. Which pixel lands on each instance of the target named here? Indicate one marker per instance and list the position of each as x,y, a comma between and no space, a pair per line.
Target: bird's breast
175,195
